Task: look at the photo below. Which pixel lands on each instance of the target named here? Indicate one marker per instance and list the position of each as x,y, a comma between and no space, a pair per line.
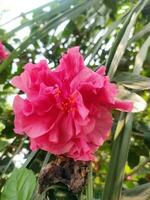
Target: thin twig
137,168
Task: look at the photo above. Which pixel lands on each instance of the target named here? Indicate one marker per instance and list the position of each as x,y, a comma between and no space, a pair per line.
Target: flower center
68,104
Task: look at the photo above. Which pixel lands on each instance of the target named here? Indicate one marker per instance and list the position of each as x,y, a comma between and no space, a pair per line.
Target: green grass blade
47,157
145,30
30,158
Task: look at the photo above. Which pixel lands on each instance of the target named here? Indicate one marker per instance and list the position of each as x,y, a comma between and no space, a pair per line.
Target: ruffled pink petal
87,77
43,142
27,108
101,70
33,145
83,111
22,82
80,150
107,93
29,81
102,126
42,65
80,78
63,130
90,127
71,63
33,125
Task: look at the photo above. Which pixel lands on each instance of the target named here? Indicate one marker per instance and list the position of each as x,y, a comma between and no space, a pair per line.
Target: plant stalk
90,183
120,148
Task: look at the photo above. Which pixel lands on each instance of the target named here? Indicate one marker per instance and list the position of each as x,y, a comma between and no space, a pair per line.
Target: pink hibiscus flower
66,111
3,53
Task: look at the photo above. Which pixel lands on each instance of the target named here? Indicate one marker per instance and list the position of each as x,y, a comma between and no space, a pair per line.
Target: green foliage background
100,28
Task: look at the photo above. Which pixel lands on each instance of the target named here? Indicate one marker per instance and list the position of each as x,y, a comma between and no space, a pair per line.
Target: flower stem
90,183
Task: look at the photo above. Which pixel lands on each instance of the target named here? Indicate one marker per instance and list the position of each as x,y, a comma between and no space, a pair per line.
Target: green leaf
133,81
141,56
20,185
